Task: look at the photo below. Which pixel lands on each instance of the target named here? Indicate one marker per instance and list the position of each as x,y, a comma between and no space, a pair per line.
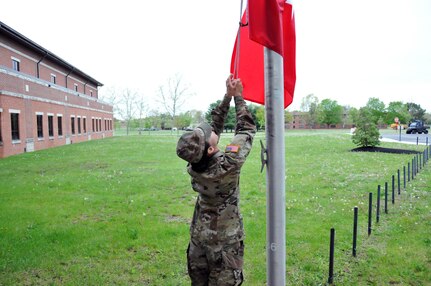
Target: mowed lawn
117,212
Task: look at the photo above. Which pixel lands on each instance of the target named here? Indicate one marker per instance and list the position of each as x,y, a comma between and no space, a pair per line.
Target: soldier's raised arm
245,130
219,114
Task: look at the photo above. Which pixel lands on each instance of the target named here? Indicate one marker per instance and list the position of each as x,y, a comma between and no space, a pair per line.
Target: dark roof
49,55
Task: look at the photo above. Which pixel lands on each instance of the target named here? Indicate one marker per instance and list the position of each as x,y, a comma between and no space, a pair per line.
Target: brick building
44,100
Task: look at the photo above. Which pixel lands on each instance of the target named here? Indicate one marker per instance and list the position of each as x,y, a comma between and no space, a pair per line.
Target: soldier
216,248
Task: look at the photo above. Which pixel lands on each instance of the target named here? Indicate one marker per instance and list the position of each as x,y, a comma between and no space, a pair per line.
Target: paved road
408,138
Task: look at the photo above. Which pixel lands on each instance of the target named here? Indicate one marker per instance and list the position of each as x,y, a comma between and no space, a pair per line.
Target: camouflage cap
191,145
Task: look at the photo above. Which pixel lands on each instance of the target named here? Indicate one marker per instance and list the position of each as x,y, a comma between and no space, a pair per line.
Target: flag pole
275,178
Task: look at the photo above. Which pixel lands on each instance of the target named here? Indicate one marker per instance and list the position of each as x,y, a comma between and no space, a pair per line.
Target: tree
173,96
184,120
309,104
127,103
416,111
288,117
329,112
397,109
346,119
141,110
366,134
377,108
354,115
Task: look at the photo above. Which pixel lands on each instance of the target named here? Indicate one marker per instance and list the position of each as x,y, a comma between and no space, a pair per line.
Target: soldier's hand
231,85
238,87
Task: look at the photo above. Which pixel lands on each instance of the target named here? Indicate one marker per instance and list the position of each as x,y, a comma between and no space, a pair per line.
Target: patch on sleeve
232,148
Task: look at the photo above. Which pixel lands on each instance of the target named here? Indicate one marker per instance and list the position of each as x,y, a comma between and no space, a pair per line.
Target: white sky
347,50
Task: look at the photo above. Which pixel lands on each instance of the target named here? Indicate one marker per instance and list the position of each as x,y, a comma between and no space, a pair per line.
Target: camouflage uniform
216,249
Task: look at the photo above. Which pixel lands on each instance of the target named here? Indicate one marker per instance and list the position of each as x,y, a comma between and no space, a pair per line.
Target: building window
15,64
14,122
84,124
92,121
79,125
100,124
53,79
60,125
51,125
91,93
39,120
72,123
76,87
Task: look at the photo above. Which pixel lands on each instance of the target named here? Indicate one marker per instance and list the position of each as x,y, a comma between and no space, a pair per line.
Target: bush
366,134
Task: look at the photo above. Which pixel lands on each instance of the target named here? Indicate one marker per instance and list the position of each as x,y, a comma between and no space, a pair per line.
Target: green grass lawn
117,211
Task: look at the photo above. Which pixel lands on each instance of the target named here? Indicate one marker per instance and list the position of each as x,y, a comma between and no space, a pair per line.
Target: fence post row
417,163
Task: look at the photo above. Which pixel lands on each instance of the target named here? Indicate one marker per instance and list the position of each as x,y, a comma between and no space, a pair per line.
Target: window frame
72,125
15,134
60,125
16,64
53,78
39,125
50,125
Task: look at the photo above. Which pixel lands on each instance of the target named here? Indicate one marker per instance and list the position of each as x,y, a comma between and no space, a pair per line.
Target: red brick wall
30,95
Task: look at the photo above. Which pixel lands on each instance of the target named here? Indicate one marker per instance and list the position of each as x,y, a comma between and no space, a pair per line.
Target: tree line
329,112
132,111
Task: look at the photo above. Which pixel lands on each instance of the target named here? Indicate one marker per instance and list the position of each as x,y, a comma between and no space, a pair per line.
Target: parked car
417,126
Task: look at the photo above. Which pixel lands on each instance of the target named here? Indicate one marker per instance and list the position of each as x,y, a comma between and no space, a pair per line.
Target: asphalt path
407,138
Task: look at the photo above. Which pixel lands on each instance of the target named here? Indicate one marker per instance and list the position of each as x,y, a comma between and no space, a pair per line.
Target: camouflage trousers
215,265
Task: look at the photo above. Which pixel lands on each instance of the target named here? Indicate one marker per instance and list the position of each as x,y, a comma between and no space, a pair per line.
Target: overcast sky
347,50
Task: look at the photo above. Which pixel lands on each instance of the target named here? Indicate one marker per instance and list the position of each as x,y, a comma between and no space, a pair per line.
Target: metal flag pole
275,178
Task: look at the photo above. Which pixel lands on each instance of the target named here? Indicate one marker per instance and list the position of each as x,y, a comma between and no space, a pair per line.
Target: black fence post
355,230
399,182
417,164
378,204
420,161
370,212
393,189
386,197
331,257
404,176
413,168
408,174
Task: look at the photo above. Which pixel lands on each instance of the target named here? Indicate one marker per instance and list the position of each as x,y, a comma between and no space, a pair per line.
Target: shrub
366,134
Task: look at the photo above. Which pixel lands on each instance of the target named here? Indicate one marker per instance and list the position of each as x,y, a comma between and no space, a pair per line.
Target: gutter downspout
73,68
37,65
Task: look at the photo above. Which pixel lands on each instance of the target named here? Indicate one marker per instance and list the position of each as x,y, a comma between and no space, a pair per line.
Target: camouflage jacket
217,216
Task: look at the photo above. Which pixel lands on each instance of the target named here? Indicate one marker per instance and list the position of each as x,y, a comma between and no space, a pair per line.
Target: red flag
271,24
